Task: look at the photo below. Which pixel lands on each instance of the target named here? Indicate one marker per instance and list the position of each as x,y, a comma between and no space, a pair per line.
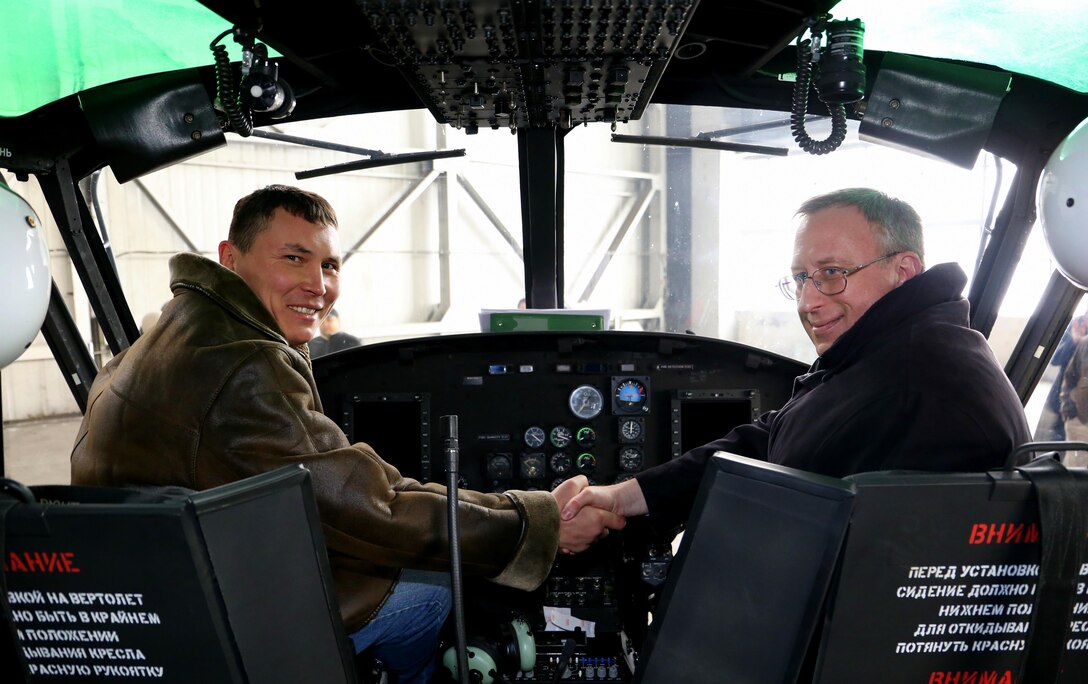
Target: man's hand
624,499
586,524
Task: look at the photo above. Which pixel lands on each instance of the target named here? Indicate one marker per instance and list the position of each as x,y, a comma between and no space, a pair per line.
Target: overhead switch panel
538,63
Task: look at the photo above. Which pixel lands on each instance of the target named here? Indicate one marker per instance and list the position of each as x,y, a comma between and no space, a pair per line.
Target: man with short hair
901,382
221,389
332,338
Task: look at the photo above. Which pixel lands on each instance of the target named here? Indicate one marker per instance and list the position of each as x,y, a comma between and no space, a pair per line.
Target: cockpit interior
563,223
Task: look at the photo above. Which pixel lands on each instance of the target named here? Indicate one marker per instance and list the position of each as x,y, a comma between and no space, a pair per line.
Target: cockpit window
716,233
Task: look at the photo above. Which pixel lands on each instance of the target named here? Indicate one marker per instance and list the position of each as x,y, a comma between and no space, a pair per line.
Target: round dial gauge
630,394
586,463
560,436
630,429
534,437
630,459
560,463
586,437
586,401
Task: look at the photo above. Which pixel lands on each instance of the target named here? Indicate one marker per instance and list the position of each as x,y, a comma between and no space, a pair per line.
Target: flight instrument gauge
631,430
534,437
586,402
630,396
630,459
560,436
560,463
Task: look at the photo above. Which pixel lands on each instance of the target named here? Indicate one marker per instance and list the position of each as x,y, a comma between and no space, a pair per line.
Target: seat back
227,585
744,593
784,576
945,578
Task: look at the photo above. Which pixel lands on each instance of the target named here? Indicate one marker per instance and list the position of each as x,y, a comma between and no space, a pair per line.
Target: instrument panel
536,408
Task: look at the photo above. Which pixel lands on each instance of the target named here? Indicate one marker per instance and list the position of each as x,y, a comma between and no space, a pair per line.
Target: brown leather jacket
213,393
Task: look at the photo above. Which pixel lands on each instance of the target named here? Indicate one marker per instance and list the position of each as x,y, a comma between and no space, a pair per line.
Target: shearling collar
226,288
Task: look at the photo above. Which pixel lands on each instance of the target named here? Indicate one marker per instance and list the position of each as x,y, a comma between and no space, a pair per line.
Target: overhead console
530,64
537,408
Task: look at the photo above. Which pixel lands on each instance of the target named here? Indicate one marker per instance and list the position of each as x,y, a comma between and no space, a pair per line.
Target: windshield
665,238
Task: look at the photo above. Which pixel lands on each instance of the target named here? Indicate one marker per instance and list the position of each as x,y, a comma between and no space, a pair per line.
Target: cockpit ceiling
498,63
348,56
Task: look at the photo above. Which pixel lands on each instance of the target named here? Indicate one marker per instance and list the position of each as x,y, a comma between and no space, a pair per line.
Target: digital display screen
397,426
701,416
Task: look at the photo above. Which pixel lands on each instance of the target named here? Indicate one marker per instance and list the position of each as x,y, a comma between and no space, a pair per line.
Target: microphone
449,432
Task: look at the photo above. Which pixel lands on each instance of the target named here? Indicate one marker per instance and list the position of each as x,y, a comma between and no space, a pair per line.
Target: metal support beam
407,197
678,228
69,350
491,215
639,204
1006,245
446,209
540,160
1042,334
189,244
89,257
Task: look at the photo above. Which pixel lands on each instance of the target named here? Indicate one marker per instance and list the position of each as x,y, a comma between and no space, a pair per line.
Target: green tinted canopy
1043,38
53,48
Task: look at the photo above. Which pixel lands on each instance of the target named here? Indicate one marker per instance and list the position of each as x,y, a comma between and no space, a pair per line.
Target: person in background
1051,425
1073,398
902,382
221,388
332,338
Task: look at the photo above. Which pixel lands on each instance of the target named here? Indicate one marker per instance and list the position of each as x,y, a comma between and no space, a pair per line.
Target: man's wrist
629,498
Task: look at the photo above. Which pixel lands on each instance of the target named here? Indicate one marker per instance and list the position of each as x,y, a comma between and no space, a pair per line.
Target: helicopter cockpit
627,169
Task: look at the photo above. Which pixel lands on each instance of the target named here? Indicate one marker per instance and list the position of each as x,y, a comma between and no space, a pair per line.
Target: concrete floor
38,451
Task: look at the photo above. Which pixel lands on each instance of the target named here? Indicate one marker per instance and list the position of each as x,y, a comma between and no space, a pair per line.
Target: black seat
889,577
226,585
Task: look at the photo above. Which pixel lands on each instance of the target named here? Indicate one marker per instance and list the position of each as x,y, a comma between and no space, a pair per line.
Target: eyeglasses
829,281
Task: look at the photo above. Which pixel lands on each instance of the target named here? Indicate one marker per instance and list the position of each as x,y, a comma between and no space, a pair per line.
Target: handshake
586,513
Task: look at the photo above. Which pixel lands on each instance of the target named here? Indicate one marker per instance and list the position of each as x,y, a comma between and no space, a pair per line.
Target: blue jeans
404,633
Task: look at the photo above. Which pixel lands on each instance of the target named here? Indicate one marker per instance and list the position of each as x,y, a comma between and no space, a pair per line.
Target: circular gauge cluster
559,436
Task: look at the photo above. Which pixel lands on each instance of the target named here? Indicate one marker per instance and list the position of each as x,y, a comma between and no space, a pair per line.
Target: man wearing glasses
901,382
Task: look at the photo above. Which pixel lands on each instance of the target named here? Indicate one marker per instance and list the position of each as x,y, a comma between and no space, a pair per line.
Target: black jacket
909,387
